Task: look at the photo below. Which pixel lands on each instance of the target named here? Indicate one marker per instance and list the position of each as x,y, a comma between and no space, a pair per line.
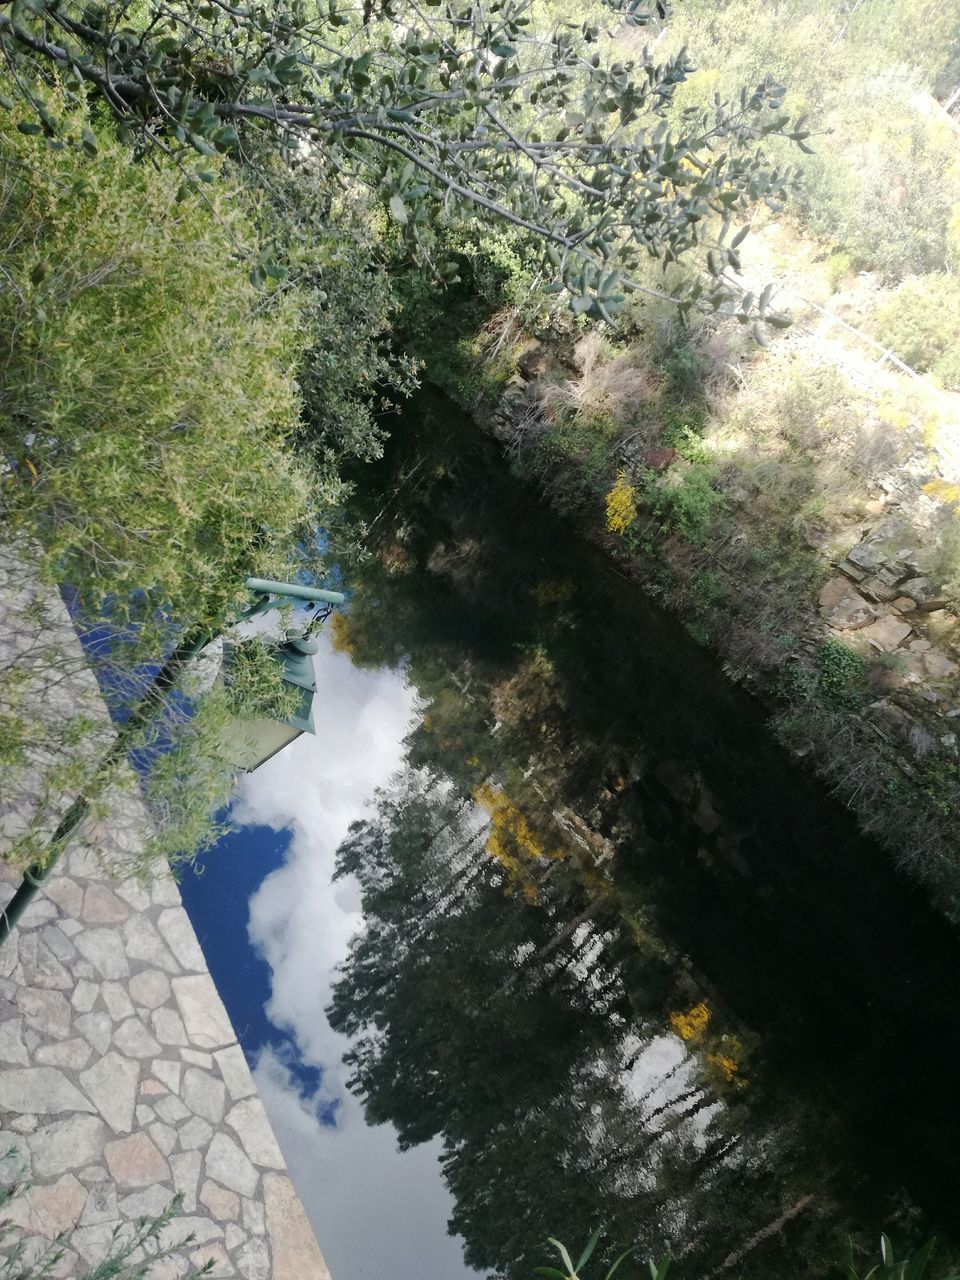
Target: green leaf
29,127
588,1250
564,1255
616,1265
398,210
550,1272
658,1271
739,238
918,1263
886,1251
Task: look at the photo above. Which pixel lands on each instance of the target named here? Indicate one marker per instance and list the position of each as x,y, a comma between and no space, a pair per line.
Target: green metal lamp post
255,742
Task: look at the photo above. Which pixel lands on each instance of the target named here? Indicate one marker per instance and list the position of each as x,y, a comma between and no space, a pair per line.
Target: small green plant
686,501
841,673
838,268
912,1267
658,1271
120,1263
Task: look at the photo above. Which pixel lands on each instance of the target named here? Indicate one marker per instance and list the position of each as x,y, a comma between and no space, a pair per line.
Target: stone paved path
122,1083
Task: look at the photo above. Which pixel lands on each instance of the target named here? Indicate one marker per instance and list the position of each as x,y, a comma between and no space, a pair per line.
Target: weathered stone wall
122,1084
121,1080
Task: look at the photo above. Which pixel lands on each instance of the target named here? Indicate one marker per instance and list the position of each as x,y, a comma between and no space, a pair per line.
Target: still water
616,959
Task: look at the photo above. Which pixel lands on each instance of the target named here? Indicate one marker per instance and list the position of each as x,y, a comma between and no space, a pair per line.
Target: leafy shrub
920,322
841,673
884,188
686,501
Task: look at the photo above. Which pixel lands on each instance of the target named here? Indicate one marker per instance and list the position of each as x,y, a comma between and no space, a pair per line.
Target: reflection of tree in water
501,1020
583,964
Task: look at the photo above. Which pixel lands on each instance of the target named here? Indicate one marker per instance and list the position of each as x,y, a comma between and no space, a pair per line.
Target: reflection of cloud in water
376,1212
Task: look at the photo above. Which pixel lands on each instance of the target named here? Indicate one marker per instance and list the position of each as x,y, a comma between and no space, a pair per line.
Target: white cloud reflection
378,1214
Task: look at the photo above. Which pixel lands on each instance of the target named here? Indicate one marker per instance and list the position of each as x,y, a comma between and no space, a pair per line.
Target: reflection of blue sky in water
378,1214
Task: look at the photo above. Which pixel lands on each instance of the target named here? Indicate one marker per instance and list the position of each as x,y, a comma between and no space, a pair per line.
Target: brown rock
49,1210
296,1254
903,604
223,1204
135,1161
887,633
843,607
101,906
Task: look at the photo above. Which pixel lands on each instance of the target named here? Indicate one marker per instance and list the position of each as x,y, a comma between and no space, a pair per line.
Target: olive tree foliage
447,110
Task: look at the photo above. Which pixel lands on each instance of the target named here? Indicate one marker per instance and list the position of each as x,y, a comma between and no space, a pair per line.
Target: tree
152,432
445,111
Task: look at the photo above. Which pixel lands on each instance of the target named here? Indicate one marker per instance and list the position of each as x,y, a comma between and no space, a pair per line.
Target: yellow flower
691,1025
724,1064
621,505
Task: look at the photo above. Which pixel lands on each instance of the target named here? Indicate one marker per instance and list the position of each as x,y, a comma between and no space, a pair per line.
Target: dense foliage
445,112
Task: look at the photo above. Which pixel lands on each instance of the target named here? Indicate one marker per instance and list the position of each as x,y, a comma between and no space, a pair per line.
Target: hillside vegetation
794,493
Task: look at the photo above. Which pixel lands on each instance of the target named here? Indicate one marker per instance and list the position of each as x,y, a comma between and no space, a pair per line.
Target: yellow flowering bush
723,1064
690,1026
621,505
512,840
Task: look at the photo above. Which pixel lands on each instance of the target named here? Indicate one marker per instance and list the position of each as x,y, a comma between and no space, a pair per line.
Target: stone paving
122,1084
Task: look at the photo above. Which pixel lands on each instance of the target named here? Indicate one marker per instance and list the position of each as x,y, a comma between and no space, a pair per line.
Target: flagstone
45,1011
174,924
150,988
296,1253
253,1217
253,1261
41,968
234,1236
186,1175
84,996
204,1094
72,1054
104,949
67,1144
226,1163
66,893
144,943
168,1026
93,1243
112,1084
212,1259
163,1136
12,1047
101,906
249,1121
48,1210
167,1072
61,946
195,1133
203,1013
101,1205
117,1001
97,1028
235,1072
197,1059
41,1091
223,1204
135,1161
133,1039
149,1203
171,1109
164,890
